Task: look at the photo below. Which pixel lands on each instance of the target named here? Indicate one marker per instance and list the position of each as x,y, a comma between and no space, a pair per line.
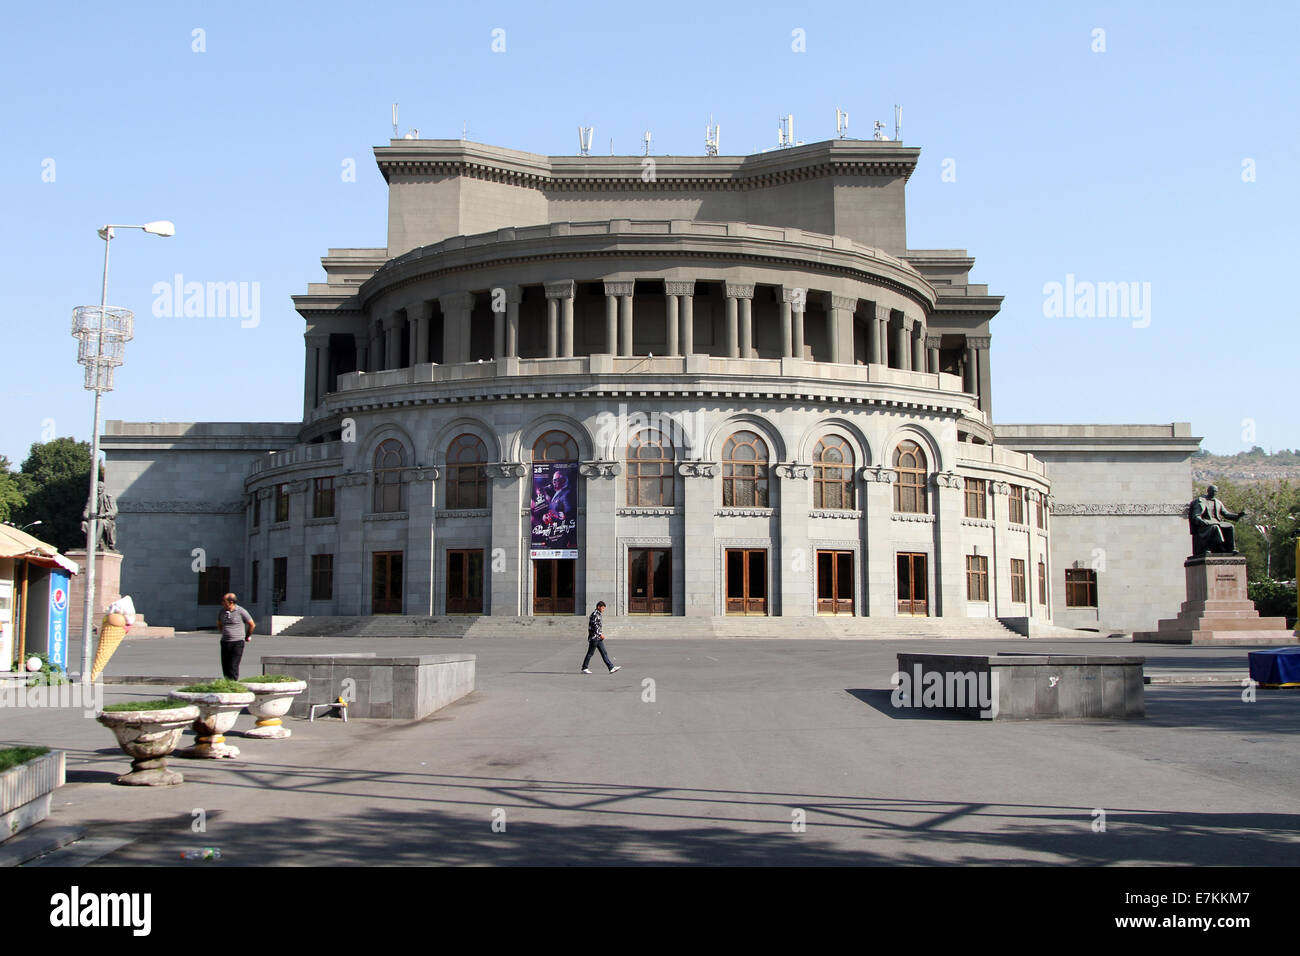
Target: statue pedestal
1218,609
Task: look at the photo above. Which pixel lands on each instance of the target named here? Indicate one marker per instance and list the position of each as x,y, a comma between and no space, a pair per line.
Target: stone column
413,332
505,592
879,569
418,562
918,345
841,330
787,331
984,385
351,502
673,322
323,370
684,292
950,559
375,353
732,332
798,306
552,324
970,371
999,576
600,559
747,328
317,345
739,319
623,290
361,342
559,305
903,342
880,335
499,307
393,340
793,501
298,585
422,320
514,295
456,310
932,342
699,548
611,321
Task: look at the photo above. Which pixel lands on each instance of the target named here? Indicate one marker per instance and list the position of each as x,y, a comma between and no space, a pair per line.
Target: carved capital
932,340
698,469
298,487
883,312
793,469
265,493
846,302
559,289
880,474
505,469
393,320
948,479
978,341
908,322
1000,488
739,290
619,287
454,302
679,286
317,340
514,294
600,469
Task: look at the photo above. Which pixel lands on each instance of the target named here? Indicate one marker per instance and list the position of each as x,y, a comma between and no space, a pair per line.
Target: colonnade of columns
900,335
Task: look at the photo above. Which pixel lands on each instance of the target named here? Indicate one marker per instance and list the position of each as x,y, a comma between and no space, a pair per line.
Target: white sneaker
616,667
586,670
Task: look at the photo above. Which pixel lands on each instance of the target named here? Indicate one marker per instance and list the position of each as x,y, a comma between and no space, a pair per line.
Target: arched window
555,446
650,470
909,492
466,477
744,471
390,459
833,474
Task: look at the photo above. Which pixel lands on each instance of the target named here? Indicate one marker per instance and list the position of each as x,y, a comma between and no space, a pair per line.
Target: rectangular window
977,498
1017,581
255,578
214,584
1042,583
322,577
279,579
977,577
1080,587
1016,505
323,498
282,502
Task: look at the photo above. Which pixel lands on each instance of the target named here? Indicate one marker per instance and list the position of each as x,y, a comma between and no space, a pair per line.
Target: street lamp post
103,333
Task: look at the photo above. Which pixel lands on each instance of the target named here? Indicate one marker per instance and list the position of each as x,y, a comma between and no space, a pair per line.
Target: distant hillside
1247,467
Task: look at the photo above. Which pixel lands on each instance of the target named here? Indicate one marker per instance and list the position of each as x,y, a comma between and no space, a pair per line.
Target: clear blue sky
1122,165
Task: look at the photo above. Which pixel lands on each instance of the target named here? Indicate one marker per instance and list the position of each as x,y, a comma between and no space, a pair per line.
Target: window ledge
386,516
320,521
908,516
834,513
645,510
464,513
745,512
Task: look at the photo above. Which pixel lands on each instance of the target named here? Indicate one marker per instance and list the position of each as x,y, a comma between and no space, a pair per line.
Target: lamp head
162,227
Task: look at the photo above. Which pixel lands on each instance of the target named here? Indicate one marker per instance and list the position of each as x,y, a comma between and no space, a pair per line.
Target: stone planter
270,703
217,714
25,792
148,736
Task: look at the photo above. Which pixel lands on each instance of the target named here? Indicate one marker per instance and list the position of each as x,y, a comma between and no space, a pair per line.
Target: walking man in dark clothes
596,640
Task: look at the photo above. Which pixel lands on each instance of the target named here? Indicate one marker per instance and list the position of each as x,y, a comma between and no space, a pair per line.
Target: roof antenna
584,140
712,138
841,123
647,142
898,123
413,134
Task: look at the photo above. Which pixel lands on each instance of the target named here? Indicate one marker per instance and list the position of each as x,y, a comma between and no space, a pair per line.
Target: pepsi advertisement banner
58,636
554,510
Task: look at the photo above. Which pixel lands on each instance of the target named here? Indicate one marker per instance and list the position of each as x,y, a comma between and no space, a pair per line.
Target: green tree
57,477
12,491
1274,505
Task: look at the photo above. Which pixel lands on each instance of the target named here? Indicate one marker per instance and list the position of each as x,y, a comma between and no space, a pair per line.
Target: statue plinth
1218,609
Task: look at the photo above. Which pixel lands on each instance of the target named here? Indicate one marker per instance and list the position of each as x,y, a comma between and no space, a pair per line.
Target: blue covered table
1279,668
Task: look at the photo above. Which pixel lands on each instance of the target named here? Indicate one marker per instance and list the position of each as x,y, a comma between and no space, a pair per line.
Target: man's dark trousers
232,652
592,647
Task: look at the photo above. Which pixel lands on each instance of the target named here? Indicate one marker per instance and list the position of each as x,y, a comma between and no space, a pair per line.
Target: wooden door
912,584
746,585
465,581
649,581
834,582
386,582
553,585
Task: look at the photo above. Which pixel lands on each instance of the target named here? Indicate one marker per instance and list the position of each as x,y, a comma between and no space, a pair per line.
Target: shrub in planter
219,703
273,695
28,776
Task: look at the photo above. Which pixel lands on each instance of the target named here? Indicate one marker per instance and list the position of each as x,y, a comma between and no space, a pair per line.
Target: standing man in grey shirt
236,630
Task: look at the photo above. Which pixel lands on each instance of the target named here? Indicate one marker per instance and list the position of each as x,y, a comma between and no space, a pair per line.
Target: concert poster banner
554,510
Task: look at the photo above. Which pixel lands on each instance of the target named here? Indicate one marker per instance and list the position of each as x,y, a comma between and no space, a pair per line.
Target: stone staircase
656,628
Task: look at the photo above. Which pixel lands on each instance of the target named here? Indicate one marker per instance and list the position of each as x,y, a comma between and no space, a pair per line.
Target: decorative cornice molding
698,469
832,513
619,287
314,522
559,289
600,469
1171,508
679,287
846,302
880,474
739,290
792,469
464,513
745,512
947,479
180,506
646,512
386,516
505,469
978,522
907,516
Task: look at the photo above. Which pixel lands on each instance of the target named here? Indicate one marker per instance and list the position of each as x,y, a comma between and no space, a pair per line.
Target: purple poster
554,509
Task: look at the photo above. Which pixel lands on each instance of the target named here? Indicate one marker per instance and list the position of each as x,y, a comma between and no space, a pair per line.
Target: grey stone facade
770,296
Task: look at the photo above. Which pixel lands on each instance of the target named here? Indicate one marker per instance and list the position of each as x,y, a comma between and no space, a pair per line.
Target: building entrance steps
661,627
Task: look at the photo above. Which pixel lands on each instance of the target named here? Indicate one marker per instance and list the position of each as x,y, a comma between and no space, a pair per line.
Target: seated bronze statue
1211,525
